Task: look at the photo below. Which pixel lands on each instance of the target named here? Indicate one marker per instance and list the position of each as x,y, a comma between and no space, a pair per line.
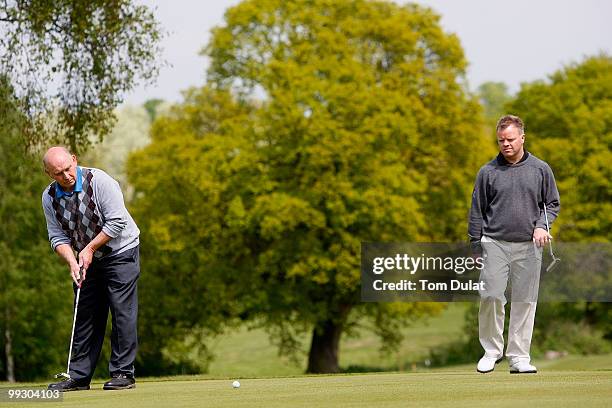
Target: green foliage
151,106
493,97
575,328
348,123
35,308
568,123
464,349
178,180
131,132
370,74
579,328
70,61
63,67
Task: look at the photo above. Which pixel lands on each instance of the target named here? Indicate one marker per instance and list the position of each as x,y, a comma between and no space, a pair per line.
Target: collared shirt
100,204
503,162
78,186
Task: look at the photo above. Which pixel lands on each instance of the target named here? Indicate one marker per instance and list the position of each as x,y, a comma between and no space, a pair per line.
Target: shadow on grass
359,368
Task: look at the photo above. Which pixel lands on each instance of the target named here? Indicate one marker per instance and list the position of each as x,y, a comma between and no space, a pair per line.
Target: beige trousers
519,263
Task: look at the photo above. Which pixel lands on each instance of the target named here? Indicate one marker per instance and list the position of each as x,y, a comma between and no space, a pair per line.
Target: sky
507,41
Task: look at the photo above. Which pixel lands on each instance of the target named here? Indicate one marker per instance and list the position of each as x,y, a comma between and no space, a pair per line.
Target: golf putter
66,375
555,260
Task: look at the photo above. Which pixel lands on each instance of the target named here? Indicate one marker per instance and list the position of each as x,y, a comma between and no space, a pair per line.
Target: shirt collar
78,186
501,160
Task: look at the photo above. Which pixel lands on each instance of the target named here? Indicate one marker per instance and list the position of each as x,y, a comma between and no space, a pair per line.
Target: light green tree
493,97
70,62
131,132
181,179
325,124
568,120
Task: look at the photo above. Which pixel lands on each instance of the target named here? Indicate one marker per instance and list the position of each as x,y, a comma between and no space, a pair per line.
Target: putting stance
86,215
507,226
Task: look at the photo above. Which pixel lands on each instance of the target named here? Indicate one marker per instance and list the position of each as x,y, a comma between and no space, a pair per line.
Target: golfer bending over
86,215
507,226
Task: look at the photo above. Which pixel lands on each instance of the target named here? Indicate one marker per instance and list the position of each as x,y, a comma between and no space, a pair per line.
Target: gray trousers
520,263
111,284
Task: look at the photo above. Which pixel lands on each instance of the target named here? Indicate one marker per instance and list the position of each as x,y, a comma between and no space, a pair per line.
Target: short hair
508,120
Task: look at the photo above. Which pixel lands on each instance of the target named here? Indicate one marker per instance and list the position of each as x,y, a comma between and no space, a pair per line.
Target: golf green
449,388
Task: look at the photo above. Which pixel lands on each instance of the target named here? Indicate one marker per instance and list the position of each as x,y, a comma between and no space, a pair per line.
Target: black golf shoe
69,385
120,382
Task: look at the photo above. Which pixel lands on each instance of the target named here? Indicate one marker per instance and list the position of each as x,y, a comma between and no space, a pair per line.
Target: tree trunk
323,355
590,314
8,350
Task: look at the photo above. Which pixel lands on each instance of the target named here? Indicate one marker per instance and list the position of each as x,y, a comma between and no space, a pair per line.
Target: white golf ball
236,384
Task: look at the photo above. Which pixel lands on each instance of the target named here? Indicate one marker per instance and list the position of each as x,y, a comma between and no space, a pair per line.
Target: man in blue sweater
86,217
507,225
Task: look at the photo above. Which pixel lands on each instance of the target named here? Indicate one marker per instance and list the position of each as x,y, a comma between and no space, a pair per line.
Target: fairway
249,353
430,389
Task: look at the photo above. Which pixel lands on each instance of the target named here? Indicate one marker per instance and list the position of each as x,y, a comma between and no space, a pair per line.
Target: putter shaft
66,375
76,307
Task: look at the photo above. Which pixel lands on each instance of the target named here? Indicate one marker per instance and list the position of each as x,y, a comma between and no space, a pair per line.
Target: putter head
553,264
65,376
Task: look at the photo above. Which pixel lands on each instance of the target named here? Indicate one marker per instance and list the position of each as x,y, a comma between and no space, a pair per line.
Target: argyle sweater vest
79,216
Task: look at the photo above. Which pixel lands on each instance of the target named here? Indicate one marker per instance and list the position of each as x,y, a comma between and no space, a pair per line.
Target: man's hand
541,237
85,258
65,251
77,277
86,255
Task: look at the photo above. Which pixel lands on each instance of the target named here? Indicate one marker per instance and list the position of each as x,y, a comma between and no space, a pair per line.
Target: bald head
60,165
54,154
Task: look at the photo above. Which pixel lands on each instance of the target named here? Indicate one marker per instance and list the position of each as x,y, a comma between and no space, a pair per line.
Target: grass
271,381
248,353
433,388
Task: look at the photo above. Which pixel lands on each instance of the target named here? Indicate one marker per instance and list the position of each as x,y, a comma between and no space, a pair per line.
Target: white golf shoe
487,364
522,367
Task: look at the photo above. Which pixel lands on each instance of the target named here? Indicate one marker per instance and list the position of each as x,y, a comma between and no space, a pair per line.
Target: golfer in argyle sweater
90,228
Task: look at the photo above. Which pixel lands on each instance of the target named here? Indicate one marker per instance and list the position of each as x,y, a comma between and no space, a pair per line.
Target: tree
568,120
178,180
493,96
568,123
63,68
35,315
131,132
152,106
325,124
70,61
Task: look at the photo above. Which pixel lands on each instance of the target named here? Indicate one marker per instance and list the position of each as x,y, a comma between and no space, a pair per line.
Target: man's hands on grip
541,237
85,257
79,270
78,275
